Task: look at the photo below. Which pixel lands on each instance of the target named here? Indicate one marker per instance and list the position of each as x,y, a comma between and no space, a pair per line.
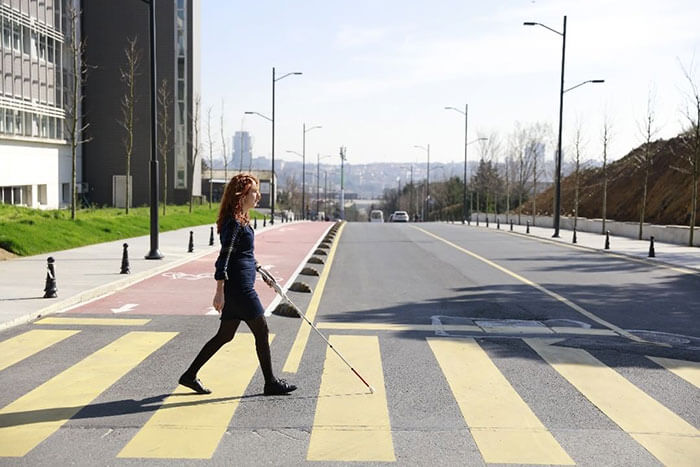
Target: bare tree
196,144
210,143
223,142
128,76
578,147
645,158
76,78
605,136
518,142
164,131
690,141
537,135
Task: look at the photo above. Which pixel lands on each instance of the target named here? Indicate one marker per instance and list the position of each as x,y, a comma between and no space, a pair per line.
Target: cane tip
371,390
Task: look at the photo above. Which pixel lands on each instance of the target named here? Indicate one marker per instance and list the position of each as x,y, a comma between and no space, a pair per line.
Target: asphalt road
481,346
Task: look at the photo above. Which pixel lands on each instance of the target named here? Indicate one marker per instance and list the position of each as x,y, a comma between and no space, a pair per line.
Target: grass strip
26,232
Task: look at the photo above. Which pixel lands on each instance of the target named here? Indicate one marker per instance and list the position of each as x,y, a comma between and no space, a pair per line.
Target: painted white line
288,284
126,307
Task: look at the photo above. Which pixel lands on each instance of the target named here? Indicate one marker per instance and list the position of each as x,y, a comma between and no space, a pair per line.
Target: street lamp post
343,158
303,178
318,181
466,213
154,253
303,169
427,182
557,183
272,120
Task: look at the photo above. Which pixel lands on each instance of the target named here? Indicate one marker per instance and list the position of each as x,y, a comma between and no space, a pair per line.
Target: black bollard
190,246
50,286
527,228
264,221
255,223
125,260
211,237
574,239
511,225
487,220
469,222
652,253
477,220
607,239
498,223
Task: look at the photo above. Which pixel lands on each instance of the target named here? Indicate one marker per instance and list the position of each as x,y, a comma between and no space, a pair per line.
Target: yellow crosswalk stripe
291,365
664,434
351,424
191,427
27,344
503,426
95,321
689,371
33,417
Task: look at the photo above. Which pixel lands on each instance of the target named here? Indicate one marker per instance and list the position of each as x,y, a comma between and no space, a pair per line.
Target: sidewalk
682,258
91,271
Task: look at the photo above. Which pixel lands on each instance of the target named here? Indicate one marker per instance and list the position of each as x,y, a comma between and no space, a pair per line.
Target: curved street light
557,192
466,213
303,167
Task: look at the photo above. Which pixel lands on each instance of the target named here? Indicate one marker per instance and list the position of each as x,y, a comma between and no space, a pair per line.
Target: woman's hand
218,302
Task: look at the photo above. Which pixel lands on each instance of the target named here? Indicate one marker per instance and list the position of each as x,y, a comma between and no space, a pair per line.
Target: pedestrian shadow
132,406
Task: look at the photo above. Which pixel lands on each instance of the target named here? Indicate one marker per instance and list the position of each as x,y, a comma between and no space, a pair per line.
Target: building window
50,49
6,34
181,97
65,193
18,122
16,39
9,121
41,192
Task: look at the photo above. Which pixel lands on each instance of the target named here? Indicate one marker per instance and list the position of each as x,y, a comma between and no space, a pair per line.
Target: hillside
668,197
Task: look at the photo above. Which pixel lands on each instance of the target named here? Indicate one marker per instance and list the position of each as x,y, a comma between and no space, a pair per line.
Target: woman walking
235,296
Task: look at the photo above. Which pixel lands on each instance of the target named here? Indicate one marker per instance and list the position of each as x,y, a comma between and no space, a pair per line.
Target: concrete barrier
676,234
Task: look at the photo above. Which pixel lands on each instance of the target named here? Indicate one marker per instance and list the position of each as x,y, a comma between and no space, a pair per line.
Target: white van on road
376,216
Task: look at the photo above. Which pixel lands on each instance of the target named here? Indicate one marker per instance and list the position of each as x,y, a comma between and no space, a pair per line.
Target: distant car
376,216
400,216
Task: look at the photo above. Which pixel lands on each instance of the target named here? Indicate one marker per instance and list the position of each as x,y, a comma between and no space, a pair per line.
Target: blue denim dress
236,266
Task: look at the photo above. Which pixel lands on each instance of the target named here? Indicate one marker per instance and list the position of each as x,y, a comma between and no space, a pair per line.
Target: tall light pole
343,158
427,182
318,180
557,182
154,253
272,180
273,173
466,213
303,185
303,169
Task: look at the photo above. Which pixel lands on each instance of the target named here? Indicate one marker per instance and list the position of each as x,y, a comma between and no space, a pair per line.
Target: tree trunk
644,202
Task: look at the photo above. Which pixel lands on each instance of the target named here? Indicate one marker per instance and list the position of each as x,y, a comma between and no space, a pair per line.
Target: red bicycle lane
188,289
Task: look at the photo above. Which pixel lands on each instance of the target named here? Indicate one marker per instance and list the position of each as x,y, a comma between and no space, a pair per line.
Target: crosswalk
349,424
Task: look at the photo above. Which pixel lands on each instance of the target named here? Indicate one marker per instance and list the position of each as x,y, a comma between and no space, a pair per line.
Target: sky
378,74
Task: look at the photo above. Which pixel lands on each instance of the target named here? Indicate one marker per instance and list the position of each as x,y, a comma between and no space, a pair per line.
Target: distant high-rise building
242,151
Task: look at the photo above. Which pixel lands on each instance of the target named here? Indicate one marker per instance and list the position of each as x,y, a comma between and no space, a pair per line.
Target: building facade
35,161
35,74
107,26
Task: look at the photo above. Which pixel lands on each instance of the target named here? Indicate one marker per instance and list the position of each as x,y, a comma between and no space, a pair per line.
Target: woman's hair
231,203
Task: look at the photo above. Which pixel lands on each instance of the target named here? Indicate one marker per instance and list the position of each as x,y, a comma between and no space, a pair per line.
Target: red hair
231,203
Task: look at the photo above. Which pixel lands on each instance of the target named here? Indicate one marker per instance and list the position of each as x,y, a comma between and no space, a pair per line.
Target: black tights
227,330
